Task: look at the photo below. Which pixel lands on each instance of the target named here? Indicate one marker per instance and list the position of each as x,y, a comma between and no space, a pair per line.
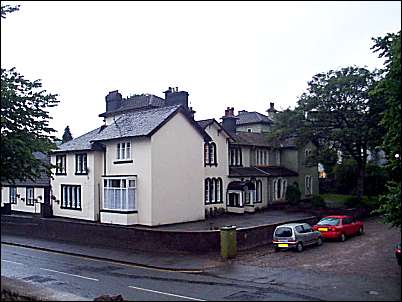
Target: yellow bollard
228,242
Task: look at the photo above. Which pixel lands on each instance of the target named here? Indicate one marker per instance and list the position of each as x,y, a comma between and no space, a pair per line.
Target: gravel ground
371,254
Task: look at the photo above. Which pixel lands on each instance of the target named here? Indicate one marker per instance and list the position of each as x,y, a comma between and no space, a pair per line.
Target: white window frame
30,199
308,185
123,151
70,196
284,184
13,195
122,192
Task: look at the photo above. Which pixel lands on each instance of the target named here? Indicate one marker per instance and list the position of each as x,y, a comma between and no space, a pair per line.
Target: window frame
282,189
213,190
61,169
30,201
308,185
123,189
124,152
12,197
67,190
79,158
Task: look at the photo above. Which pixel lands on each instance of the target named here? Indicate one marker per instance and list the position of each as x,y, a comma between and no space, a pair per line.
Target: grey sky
239,54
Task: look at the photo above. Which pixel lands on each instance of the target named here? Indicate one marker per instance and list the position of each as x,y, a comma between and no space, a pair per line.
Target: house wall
177,173
304,170
88,183
222,170
21,204
141,168
246,156
290,159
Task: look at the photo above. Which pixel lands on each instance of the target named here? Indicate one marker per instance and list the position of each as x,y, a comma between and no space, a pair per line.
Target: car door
347,226
309,234
299,234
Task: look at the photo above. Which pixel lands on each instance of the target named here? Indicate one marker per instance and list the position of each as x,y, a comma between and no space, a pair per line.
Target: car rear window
283,232
328,221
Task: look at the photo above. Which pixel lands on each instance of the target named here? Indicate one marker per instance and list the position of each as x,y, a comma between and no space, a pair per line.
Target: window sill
61,173
213,202
117,162
79,173
74,209
210,165
119,212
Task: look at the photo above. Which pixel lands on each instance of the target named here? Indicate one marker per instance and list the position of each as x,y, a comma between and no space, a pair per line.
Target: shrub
318,202
293,194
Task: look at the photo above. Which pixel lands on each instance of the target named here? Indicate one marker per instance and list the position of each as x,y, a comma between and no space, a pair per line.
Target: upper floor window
13,195
81,164
261,157
308,185
280,185
123,151
210,154
307,153
119,194
213,190
61,164
71,197
235,156
30,197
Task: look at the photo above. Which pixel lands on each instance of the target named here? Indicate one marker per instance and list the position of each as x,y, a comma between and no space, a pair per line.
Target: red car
339,227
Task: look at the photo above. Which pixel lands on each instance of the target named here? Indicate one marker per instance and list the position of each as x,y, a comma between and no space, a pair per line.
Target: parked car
398,253
339,227
295,236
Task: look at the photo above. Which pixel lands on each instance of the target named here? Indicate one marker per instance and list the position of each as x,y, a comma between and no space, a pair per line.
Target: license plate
323,229
283,245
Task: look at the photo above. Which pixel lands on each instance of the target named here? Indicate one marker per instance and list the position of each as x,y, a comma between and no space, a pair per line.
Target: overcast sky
238,54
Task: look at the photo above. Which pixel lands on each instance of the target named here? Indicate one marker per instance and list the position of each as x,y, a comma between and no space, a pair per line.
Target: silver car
295,235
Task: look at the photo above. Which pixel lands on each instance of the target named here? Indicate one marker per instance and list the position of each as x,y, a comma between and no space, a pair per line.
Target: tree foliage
24,124
337,112
6,9
389,86
67,135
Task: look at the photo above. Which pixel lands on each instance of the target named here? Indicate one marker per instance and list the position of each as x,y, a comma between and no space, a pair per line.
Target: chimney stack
175,97
113,100
271,111
229,120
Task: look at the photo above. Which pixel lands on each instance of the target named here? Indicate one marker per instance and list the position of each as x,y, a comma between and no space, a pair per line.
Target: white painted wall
257,128
177,173
88,183
140,167
21,204
222,170
117,218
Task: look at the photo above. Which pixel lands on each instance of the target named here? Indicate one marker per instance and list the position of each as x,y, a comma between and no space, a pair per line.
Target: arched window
280,185
206,153
206,190
308,185
212,190
258,187
218,188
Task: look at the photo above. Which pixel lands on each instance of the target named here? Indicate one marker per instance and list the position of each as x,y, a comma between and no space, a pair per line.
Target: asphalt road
91,278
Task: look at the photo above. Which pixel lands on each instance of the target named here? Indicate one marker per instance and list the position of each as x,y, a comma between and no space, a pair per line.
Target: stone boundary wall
136,238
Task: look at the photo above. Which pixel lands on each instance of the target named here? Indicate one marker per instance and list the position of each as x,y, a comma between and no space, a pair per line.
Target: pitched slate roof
137,102
205,123
137,123
261,140
82,142
42,181
130,124
245,117
267,171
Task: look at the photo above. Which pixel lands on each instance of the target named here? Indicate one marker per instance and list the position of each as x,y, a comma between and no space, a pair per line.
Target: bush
293,194
318,202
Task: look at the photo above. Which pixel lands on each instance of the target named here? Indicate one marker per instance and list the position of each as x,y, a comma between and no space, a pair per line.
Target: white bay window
119,194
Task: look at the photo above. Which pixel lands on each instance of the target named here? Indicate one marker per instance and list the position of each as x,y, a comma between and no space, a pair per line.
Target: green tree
67,135
389,87
337,113
24,124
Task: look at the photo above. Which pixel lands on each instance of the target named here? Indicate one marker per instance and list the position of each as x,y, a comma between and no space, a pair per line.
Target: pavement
183,262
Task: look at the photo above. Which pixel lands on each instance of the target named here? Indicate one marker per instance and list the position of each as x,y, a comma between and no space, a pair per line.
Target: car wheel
319,241
299,247
361,231
343,237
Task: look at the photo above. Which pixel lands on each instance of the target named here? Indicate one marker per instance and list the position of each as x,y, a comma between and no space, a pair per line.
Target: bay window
119,194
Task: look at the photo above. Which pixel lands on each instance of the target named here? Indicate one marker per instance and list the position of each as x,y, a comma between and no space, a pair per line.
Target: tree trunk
361,172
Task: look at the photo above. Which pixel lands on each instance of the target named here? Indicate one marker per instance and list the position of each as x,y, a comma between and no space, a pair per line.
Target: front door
234,200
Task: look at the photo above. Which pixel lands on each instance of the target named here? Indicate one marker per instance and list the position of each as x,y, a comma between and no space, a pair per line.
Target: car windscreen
328,221
283,232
